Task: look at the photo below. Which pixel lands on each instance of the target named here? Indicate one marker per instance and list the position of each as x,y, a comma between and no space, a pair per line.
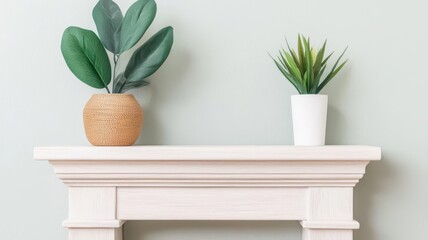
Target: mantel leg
92,214
329,214
95,234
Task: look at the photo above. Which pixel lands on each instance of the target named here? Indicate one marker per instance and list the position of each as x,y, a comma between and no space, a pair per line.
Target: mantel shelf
243,153
110,185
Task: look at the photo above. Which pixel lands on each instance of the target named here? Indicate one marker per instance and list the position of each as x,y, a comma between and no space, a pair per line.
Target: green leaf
340,57
284,62
136,22
339,68
301,53
123,85
108,19
331,76
293,54
132,85
308,57
314,87
306,68
288,76
333,71
295,70
118,82
86,57
147,59
319,58
326,59
305,81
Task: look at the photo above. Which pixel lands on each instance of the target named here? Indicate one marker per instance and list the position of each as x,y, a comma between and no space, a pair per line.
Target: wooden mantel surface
110,185
236,153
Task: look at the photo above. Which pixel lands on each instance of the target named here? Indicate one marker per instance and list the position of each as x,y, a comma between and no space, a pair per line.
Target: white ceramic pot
309,119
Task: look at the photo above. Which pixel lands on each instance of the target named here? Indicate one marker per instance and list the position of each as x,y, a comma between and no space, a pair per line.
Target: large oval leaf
108,19
132,85
86,57
136,22
123,85
147,59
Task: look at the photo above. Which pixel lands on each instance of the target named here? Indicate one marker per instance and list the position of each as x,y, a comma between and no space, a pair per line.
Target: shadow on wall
163,89
380,176
377,181
336,124
225,230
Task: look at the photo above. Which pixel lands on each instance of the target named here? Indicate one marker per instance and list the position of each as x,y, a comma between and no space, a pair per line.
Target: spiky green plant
305,69
86,56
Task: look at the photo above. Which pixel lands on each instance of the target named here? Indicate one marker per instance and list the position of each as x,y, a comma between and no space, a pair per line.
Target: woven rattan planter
112,119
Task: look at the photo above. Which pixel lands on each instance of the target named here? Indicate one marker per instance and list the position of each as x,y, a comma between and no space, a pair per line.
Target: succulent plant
86,56
305,67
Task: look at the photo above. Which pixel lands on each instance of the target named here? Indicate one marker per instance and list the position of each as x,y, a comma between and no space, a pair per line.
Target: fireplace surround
110,185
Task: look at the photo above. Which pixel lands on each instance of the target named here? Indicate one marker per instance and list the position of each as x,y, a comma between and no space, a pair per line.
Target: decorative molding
109,185
211,180
217,166
92,224
330,224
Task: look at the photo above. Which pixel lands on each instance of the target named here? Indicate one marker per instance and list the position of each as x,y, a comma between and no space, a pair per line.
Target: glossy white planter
309,119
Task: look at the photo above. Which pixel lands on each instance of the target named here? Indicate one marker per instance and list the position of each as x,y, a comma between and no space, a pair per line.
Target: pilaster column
92,214
329,214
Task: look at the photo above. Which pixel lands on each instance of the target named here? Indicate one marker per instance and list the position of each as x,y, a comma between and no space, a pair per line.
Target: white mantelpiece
109,185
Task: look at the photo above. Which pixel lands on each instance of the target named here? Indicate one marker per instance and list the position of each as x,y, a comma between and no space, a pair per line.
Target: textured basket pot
112,119
309,119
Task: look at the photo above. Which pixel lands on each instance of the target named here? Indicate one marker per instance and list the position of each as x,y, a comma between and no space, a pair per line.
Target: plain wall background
219,86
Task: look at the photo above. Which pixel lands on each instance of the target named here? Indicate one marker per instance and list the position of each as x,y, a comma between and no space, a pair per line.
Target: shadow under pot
112,119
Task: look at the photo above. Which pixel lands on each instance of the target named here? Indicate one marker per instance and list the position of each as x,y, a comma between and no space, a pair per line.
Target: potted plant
115,118
304,69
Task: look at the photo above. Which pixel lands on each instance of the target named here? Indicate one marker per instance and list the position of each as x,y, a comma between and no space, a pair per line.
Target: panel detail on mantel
109,185
211,204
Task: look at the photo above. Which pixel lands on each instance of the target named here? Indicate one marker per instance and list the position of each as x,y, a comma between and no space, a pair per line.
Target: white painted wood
210,180
210,173
88,203
95,234
216,153
330,224
109,185
330,204
209,167
92,214
92,223
211,203
329,214
317,234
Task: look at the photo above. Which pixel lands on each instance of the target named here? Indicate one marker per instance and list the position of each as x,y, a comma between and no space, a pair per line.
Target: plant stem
115,59
121,87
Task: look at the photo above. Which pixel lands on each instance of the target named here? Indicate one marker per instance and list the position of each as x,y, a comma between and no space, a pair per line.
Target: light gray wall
220,87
